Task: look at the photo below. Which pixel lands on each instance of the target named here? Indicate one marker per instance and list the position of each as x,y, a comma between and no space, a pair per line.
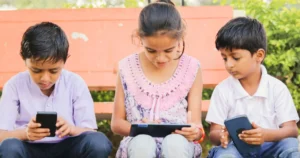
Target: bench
99,38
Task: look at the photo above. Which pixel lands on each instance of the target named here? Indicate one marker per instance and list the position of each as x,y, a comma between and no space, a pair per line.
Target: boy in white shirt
251,91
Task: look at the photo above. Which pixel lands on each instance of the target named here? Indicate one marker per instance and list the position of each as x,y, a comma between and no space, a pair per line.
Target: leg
142,146
220,152
175,145
15,148
86,145
286,148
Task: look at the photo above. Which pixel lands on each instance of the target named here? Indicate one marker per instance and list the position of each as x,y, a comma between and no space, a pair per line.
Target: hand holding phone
236,126
35,132
64,128
190,133
254,136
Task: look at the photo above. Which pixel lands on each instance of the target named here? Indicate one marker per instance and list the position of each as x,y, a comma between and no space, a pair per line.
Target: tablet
237,125
155,130
47,120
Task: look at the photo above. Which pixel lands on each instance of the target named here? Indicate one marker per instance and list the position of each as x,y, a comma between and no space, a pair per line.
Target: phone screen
47,120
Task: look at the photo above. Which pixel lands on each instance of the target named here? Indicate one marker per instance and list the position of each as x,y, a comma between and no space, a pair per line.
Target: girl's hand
190,133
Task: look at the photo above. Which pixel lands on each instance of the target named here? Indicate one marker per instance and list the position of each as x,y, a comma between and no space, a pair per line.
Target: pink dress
165,101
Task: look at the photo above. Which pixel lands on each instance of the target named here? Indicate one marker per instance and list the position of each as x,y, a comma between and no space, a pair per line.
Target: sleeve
9,105
284,106
218,109
83,105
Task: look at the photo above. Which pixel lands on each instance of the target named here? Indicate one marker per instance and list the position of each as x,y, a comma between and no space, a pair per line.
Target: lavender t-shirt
22,98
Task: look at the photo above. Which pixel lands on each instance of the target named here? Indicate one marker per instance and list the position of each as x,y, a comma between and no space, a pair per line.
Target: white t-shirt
269,107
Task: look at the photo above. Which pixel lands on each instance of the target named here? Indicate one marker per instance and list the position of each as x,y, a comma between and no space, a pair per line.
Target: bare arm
119,124
214,134
288,129
194,110
195,99
18,134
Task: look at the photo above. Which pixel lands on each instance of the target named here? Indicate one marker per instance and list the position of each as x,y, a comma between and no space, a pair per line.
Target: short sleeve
83,105
284,106
9,105
218,108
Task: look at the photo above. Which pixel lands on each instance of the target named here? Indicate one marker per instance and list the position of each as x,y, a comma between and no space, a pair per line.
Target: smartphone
47,119
237,125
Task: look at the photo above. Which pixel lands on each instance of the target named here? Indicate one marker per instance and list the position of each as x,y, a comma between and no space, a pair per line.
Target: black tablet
47,120
237,125
155,130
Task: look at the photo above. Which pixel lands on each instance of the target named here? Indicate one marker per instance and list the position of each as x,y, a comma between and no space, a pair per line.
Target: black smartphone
47,119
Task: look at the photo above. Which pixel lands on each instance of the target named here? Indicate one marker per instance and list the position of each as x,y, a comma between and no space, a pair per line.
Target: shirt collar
262,91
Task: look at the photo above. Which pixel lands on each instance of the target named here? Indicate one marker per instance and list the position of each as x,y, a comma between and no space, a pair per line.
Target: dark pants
86,145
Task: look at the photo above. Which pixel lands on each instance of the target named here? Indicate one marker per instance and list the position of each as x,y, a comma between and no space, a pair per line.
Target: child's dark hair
161,18
242,33
45,41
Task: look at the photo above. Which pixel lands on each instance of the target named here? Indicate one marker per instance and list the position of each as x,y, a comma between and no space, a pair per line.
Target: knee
11,145
220,152
176,145
97,142
289,142
172,138
289,147
175,141
223,155
142,140
142,145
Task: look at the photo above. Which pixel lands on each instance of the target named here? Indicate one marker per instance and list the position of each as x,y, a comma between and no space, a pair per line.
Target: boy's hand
34,132
64,128
254,136
224,137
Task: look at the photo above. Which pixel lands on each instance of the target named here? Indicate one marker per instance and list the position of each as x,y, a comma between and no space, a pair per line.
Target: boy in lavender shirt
46,86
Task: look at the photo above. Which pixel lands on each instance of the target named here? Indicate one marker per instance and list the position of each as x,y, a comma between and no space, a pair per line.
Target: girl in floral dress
159,85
